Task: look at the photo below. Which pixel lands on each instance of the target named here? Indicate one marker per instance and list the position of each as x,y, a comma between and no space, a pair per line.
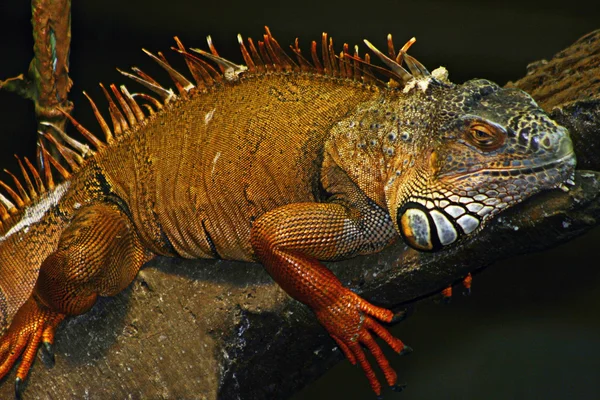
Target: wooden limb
49,69
18,85
47,83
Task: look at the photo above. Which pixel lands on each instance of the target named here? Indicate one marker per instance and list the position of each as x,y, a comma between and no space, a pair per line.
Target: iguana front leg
98,254
291,239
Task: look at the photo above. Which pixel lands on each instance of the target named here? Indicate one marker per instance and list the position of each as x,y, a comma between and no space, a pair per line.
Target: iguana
281,161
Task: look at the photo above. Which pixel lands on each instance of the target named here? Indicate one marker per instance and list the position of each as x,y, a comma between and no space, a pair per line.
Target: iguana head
484,149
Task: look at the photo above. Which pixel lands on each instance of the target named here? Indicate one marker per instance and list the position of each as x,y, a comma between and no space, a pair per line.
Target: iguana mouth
428,224
565,163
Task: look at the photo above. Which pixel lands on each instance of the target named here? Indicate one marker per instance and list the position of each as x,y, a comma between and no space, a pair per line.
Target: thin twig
49,69
47,82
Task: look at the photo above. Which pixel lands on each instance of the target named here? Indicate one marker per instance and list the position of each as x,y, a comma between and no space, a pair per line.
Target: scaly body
286,164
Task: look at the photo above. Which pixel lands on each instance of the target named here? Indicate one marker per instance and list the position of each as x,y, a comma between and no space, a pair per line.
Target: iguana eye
485,137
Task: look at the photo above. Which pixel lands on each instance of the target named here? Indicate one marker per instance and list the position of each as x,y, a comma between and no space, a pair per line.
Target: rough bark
208,329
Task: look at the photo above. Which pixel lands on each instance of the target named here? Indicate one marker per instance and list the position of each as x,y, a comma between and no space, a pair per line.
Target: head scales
454,155
482,149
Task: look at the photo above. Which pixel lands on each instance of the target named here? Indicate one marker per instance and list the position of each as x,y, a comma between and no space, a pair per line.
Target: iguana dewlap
285,162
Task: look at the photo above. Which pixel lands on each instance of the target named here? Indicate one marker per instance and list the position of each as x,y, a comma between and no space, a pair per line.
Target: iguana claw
406,350
18,388
399,387
47,353
396,388
32,325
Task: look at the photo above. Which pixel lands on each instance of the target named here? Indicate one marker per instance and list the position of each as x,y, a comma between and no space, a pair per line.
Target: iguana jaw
563,165
442,216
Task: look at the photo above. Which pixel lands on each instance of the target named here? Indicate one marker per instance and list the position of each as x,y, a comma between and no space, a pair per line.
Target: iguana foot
32,325
349,321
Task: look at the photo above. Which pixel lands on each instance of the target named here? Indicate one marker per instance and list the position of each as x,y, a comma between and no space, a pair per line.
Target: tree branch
49,70
47,83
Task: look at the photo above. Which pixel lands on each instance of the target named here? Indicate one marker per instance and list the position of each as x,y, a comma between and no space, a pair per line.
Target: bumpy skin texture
286,167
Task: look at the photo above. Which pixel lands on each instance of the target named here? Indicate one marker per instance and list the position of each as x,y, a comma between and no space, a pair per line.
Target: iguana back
216,159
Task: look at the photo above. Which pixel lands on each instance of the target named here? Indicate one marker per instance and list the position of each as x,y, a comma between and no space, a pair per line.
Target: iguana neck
366,144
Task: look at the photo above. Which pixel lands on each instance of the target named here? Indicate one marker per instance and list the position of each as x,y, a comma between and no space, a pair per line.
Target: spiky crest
127,116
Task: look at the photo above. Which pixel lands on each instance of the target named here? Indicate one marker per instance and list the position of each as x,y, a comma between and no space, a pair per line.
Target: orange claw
349,321
31,325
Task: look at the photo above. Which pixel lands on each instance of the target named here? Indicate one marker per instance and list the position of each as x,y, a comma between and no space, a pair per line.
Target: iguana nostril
546,143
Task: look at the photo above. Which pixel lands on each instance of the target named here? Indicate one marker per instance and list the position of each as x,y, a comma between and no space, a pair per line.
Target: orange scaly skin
284,162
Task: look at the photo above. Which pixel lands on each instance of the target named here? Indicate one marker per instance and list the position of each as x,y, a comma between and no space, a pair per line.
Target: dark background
531,327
